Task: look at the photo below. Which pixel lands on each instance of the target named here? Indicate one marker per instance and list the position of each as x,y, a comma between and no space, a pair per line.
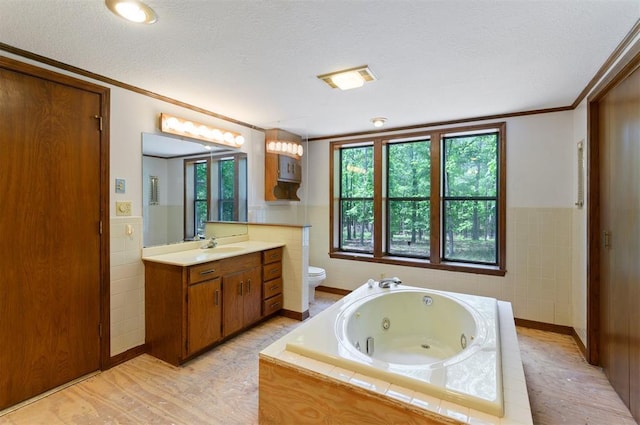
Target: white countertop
190,257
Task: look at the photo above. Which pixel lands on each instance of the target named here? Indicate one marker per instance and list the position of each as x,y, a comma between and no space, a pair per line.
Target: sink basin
224,249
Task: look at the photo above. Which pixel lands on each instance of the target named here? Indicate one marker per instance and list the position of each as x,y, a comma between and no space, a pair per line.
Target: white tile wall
294,263
539,264
539,277
127,285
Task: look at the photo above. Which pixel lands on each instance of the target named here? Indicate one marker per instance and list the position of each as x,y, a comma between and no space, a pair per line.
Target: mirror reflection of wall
186,184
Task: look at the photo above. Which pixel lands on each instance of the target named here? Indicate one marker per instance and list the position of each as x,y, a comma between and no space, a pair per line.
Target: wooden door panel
50,188
252,296
205,313
619,146
231,303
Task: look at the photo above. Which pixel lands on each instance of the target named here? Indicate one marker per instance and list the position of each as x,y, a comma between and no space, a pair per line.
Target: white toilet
315,277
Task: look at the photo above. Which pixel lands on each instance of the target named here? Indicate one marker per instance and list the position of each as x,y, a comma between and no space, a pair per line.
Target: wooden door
50,244
252,296
232,302
619,141
205,314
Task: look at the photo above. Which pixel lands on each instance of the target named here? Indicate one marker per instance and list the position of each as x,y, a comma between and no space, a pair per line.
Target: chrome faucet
212,243
388,281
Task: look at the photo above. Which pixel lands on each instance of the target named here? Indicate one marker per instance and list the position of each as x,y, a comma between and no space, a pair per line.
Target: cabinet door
204,314
289,169
232,287
252,296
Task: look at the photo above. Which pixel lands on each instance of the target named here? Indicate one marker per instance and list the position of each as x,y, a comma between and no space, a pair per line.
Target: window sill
417,262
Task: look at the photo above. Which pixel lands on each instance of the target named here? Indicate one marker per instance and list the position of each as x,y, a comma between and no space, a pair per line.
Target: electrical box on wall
123,208
120,186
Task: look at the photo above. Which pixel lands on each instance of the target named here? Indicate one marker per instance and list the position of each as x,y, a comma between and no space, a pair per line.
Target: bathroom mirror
187,183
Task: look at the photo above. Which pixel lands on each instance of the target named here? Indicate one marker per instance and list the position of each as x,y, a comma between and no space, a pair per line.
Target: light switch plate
123,207
120,186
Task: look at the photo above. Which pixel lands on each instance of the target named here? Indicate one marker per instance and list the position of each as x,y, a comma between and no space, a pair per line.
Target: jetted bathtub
438,343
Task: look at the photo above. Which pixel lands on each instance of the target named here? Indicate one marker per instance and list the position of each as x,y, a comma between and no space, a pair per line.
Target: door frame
104,94
627,65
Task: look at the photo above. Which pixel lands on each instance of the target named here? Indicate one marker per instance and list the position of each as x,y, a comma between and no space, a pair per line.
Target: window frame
436,199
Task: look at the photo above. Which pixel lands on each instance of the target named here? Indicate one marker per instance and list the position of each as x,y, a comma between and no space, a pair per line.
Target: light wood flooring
221,386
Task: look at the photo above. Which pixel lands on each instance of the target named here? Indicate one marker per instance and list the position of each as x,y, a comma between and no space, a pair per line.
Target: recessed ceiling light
132,10
348,78
378,121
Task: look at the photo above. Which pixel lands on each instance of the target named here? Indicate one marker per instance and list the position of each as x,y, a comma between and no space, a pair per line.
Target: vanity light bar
182,127
285,148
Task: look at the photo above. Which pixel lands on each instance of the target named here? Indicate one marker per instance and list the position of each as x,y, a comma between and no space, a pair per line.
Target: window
408,189
434,199
200,195
226,189
215,189
356,199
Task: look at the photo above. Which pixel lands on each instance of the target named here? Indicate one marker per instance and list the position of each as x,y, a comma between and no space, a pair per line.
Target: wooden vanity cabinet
188,309
242,296
183,309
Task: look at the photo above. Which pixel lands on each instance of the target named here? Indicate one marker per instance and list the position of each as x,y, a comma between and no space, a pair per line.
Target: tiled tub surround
339,389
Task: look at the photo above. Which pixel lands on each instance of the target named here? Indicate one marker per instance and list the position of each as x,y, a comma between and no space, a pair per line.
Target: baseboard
126,355
295,314
542,326
330,290
579,343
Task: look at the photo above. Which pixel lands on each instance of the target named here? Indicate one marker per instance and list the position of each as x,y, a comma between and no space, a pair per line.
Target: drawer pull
275,305
274,271
216,302
274,255
204,272
241,287
273,288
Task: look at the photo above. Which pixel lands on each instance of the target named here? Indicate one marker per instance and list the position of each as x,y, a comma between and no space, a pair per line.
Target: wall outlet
123,208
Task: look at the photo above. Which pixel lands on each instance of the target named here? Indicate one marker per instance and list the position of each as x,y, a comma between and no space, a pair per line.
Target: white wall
539,225
579,266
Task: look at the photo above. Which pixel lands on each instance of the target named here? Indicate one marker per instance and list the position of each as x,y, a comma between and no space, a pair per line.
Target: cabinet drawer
204,271
240,262
272,255
271,271
271,288
271,305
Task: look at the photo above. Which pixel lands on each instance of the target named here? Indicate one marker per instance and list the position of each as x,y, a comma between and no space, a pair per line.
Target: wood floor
221,386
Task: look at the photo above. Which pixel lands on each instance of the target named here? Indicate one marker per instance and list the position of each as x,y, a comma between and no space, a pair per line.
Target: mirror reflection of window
214,191
165,215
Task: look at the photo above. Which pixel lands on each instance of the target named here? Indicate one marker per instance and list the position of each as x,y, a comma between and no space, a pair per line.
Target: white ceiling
257,61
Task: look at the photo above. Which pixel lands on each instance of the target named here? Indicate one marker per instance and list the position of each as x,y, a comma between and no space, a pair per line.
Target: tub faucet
388,281
212,243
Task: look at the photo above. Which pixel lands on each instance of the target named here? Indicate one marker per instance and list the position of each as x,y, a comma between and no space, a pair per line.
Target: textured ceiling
257,61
